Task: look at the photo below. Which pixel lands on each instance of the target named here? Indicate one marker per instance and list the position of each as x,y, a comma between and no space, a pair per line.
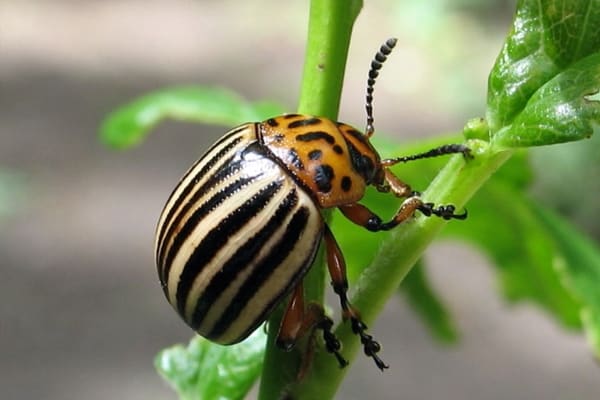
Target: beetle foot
370,346
332,343
446,212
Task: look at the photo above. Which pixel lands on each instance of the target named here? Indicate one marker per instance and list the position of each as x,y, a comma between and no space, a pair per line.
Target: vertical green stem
329,32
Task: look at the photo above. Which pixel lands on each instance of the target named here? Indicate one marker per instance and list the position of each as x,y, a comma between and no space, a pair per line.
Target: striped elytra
242,228
236,236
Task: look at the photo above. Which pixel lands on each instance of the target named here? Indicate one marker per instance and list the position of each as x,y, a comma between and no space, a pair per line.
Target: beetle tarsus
446,212
370,346
332,343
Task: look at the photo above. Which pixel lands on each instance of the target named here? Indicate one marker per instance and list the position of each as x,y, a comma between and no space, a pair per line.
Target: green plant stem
456,183
329,32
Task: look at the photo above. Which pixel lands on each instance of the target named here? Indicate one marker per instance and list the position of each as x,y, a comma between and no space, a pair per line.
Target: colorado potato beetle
242,227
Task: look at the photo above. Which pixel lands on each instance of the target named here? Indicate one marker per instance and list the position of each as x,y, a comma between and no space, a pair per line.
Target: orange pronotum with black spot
333,160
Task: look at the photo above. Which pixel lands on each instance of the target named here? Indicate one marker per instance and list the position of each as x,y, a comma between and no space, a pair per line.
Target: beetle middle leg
300,319
339,281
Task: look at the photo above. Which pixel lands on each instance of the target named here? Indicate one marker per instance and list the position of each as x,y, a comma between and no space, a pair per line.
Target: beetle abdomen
235,237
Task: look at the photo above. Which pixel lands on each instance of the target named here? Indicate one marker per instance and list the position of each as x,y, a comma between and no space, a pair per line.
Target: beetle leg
393,184
291,323
339,281
362,216
299,320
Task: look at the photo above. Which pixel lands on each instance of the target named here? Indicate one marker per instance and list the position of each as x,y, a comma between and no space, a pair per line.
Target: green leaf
562,110
208,371
547,38
128,125
429,307
577,260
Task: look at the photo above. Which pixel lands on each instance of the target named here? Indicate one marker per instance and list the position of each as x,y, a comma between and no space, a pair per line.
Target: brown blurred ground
81,314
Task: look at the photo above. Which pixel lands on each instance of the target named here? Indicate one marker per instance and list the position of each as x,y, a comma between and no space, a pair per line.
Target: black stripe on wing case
192,222
241,259
213,241
186,191
229,168
262,272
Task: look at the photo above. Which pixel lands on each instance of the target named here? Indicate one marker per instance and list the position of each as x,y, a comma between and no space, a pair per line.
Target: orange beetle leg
364,217
291,323
298,321
339,281
395,185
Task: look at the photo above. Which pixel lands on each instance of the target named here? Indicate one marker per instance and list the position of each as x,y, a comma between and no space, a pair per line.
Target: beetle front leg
300,320
339,281
362,216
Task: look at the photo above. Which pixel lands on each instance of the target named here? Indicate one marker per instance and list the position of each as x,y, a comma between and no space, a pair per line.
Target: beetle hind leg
339,281
300,320
332,343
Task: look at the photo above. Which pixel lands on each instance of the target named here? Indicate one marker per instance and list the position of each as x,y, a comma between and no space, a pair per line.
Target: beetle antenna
376,65
438,151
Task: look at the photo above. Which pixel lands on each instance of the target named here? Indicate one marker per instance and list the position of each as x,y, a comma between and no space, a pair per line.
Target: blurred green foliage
12,191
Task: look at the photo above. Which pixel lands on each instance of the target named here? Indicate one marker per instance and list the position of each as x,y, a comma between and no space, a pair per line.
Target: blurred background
81,312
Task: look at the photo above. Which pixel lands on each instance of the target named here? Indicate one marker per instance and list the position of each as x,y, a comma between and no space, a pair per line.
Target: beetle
242,228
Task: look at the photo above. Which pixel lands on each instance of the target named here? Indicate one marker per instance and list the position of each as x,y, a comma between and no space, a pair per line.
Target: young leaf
547,38
128,125
208,371
562,110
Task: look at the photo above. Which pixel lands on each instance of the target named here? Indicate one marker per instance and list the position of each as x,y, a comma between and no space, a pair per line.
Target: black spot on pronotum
346,183
294,159
304,122
315,154
272,122
338,149
316,135
323,176
356,135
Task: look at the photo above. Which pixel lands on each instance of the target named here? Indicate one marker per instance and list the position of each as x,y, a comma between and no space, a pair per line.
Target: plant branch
329,32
